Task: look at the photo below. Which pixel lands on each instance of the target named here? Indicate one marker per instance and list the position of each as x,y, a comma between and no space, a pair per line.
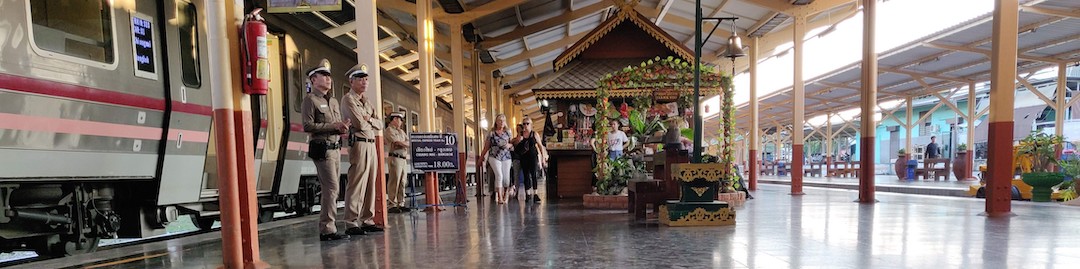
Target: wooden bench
661,188
783,168
833,169
768,168
937,168
853,169
814,170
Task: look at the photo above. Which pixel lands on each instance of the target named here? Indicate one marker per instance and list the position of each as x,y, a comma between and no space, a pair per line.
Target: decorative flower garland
660,73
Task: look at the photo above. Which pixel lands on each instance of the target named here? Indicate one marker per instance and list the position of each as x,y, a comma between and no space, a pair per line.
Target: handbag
317,150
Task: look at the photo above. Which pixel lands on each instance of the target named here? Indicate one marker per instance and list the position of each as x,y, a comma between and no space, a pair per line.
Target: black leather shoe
332,237
355,231
370,228
394,210
536,198
405,209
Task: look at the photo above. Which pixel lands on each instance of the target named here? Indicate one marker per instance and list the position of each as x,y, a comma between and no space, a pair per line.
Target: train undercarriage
60,219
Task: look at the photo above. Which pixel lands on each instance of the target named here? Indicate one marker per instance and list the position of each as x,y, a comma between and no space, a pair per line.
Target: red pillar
868,103
228,199
797,168
235,147
798,103
246,187
431,191
999,184
1002,96
866,169
380,183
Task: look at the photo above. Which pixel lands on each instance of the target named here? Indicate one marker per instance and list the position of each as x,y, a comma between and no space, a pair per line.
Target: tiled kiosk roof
625,40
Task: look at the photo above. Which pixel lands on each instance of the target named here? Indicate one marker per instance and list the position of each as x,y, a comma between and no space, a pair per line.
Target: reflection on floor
822,229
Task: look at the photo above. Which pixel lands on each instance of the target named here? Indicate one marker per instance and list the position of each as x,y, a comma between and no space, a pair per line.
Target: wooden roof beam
521,32
477,12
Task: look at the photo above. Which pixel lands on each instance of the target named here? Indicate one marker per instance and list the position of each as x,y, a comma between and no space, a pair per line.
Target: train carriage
106,120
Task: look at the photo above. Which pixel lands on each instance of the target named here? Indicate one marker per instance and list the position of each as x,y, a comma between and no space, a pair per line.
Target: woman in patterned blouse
497,152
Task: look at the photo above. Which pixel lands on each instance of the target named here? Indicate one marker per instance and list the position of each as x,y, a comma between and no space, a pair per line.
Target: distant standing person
932,150
616,139
398,162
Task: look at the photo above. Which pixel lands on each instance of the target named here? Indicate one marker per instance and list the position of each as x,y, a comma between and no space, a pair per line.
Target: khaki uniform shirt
397,135
356,110
319,113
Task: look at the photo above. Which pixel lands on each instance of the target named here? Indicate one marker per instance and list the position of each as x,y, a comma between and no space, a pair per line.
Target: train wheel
59,246
266,215
205,224
308,196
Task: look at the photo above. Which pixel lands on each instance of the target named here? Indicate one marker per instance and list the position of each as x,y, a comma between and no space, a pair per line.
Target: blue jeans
614,154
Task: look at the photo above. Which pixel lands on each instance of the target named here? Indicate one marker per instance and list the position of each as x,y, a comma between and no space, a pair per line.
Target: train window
415,121
387,108
187,25
81,29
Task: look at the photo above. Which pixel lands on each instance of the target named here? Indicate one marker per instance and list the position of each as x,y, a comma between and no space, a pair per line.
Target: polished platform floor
883,183
822,229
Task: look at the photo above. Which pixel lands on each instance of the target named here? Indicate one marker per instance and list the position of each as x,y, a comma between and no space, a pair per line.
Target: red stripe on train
77,92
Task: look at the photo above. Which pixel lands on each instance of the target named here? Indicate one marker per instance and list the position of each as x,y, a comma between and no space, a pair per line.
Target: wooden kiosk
624,41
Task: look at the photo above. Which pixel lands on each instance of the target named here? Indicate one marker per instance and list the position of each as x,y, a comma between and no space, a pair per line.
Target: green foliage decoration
657,73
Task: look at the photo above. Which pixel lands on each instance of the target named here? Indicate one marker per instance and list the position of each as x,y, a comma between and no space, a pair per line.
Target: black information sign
143,39
434,151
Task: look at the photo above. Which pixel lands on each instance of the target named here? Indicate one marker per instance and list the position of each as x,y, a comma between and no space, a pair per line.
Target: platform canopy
951,57
519,40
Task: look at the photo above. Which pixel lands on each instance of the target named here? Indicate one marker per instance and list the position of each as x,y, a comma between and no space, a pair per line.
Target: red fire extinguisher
256,60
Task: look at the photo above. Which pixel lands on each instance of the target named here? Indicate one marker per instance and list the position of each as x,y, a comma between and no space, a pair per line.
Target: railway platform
822,229
883,183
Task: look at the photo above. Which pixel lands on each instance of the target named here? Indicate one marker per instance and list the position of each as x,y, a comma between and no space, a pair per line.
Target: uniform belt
395,155
362,139
329,145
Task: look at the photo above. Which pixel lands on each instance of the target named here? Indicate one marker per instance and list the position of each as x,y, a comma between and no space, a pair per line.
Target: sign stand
432,153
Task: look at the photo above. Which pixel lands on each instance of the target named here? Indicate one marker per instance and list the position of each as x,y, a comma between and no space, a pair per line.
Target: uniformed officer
363,170
398,162
322,119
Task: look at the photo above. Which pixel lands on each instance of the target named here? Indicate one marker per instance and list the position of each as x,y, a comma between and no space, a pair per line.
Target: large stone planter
961,166
900,167
596,201
1041,184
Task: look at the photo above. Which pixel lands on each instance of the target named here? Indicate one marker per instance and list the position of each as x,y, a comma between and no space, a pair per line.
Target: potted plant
900,167
1071,167
961,165
1040,149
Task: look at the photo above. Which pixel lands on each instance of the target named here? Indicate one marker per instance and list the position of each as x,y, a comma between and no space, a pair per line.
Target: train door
295,165
271,124
189,118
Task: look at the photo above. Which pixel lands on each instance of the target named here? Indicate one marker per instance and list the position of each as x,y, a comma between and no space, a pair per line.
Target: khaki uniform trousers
398,175
329,174
360,192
